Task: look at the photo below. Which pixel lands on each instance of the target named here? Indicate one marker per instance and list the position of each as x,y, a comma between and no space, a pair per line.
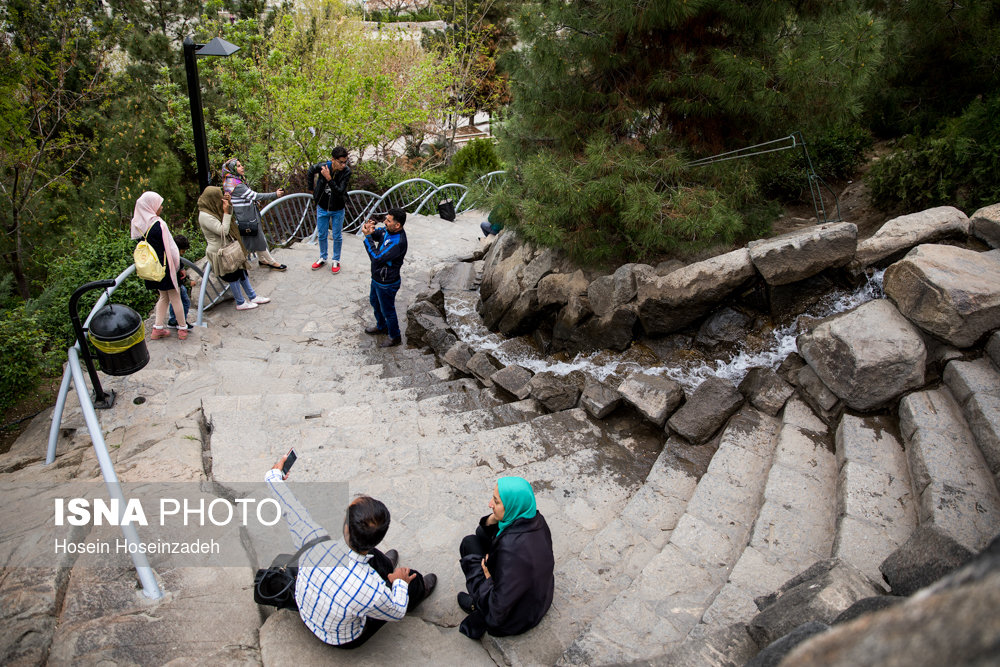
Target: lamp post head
217,47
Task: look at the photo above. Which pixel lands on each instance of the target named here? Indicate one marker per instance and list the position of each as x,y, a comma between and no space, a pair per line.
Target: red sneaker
159,333
318,265
335,268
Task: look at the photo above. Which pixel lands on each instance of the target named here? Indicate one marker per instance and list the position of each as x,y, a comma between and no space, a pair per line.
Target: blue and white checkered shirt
336,589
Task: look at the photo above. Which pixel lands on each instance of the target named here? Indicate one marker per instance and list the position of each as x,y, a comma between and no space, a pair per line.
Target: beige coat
213,228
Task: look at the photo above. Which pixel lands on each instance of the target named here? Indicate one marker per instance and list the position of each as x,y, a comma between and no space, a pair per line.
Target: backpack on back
147,264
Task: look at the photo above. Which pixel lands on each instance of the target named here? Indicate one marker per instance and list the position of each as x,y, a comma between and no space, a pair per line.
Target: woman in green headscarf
508,565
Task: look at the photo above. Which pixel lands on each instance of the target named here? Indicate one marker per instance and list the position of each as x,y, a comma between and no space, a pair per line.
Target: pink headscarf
145,217
230,177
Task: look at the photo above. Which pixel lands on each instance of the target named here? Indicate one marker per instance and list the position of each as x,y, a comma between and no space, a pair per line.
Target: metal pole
101,399
149,586
197,118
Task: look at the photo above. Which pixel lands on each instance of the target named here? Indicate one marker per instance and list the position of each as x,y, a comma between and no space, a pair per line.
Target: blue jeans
185,301
383,300
329,221
243,282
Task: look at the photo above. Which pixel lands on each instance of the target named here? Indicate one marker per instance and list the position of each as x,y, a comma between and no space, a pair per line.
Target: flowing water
686,365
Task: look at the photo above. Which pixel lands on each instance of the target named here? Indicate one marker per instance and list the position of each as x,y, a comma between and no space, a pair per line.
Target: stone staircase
661,547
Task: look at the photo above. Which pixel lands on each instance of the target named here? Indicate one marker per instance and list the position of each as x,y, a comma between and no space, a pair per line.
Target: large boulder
540,266
459,276
902,233
521,314
556,289
985,225
820,593
766,390
422,317
803,253
866,356
709,406
555,392
513,379
950,292
609,292
954,622
598,399
654,396
483,365
726,325
924,558
611,332
668,303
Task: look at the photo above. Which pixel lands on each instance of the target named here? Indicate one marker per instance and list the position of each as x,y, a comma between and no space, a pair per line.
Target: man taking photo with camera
386,247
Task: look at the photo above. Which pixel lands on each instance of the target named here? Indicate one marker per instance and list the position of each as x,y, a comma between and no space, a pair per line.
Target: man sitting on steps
347,589
386,248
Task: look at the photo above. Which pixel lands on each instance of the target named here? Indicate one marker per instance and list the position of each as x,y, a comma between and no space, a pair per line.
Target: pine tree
611,97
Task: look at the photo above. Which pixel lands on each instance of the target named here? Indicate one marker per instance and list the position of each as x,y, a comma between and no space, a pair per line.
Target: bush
836,154
23,349
104,254
476,158
958,166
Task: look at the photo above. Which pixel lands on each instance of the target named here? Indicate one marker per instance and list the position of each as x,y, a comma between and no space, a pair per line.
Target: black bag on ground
247,219
275,586
446,210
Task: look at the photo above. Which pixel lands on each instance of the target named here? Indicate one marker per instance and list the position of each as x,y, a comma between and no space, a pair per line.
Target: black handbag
275,586
247,220
446,210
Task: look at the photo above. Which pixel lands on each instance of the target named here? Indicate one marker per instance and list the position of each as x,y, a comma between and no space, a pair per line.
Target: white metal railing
73,371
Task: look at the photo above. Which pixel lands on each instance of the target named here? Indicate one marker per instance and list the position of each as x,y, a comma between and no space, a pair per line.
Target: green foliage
615,201
474,159
23,349
958,166
836,154
940,56
104,254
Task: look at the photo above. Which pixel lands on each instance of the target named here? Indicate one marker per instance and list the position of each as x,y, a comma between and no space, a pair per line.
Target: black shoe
393,557
374,330
430,583
392,342
466,603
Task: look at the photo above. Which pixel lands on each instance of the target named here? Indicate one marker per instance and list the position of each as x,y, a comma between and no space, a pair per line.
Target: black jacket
329,195
519,591
386,252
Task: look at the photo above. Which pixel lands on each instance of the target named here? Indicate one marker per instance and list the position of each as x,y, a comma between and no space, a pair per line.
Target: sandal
276,267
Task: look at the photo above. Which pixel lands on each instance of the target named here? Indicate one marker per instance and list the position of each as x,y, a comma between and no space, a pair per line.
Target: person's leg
322,230
337,227
247,288
376,306
160,311
264,257
237,292
175,303
185,301
486,227
387,304
472,546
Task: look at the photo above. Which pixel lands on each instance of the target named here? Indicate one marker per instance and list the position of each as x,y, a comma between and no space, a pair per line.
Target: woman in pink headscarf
147,223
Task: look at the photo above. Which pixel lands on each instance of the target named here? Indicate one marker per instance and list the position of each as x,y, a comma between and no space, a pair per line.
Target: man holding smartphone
329,181
386,247
346,589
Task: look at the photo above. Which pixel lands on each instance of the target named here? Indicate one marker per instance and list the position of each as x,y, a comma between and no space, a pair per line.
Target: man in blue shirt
386,249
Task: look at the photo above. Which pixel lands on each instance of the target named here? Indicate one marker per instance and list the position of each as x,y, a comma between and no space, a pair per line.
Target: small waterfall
773,347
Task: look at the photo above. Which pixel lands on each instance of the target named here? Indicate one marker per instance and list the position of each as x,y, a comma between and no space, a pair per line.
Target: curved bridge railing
293,217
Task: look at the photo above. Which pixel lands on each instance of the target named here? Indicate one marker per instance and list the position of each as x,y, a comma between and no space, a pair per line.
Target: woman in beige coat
216,220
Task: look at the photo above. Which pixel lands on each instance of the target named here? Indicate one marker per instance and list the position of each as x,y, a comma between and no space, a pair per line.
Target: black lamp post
217,47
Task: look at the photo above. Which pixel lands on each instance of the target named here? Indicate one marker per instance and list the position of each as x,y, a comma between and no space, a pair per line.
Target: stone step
976,387
877,511
793,529
955,491
669,595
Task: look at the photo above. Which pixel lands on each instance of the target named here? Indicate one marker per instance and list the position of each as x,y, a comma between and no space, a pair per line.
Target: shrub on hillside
104,254
835,154
23,347
958,166
476,158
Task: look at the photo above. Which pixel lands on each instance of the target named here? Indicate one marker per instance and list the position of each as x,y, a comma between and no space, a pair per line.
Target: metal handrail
293,217
147,577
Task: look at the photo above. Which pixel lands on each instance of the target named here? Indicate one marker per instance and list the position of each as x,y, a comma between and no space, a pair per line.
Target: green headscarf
518,500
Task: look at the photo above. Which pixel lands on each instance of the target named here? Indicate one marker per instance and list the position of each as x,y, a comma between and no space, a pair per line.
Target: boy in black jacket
386,249
329,181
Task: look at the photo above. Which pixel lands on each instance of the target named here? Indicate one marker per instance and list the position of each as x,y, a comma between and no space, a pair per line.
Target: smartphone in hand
289,461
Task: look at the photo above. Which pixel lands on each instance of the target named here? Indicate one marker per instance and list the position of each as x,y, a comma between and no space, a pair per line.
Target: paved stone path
661,546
